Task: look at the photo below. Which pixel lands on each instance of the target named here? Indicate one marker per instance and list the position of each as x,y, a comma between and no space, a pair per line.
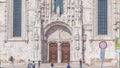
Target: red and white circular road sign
103,44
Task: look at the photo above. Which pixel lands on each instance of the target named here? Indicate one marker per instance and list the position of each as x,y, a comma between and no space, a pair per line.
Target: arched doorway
56,38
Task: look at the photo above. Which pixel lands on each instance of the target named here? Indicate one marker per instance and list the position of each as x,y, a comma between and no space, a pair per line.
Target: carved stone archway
58,33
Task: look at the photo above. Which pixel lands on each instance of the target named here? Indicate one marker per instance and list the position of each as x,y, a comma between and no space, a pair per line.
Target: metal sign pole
119,60
102,45
102,57
102,63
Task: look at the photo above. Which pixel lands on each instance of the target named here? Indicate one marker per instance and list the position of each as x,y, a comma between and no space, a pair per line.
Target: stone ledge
107,62
16,61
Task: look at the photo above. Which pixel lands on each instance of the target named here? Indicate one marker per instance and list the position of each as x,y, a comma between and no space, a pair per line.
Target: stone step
61,65
104,64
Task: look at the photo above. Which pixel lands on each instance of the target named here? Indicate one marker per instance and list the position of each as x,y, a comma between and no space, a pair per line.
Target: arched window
102,17
17,18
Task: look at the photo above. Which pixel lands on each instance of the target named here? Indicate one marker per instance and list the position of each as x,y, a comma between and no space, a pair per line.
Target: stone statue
58,6
58,10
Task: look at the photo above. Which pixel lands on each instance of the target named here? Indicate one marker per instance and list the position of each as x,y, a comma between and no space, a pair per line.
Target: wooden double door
65,52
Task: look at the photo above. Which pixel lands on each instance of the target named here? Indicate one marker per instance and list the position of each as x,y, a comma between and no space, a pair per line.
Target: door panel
65,52
53,52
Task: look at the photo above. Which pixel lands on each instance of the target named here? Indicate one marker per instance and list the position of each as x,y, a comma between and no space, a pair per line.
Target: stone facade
41,26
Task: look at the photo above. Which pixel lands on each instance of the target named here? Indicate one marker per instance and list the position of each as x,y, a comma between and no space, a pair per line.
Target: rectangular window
17,18
102,17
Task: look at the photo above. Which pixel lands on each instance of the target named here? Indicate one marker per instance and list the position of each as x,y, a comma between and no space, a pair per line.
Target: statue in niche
58,6
58,11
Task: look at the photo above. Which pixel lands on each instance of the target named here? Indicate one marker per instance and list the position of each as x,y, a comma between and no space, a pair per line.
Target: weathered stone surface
41,26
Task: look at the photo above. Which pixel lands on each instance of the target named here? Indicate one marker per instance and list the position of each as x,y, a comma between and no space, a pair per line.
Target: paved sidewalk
47,65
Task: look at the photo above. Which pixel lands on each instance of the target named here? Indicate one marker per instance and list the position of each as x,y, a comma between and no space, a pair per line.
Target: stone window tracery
17,18
102,17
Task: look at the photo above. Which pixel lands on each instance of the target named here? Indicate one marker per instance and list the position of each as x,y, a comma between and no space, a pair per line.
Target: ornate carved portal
65,50
53,52
60,50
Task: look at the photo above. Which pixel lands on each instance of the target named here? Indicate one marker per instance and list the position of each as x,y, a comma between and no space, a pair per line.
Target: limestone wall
35,21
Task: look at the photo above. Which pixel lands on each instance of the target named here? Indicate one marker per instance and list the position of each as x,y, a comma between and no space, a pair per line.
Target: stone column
59,52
